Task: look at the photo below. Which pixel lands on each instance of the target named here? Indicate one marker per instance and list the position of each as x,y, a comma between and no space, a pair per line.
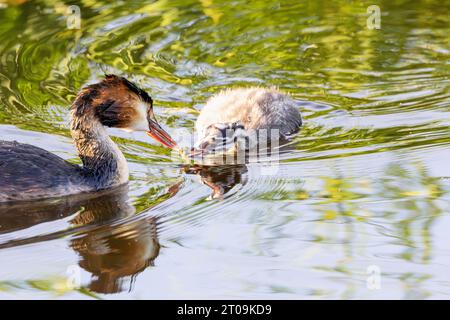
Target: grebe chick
229,118
28,172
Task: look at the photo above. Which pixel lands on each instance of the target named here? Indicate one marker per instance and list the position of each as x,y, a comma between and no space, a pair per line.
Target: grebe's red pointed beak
156,132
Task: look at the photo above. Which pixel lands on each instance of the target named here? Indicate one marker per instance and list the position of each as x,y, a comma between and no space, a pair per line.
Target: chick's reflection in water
221,179
112,248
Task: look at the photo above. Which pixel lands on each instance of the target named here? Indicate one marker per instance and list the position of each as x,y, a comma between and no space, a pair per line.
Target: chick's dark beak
200,149
156,132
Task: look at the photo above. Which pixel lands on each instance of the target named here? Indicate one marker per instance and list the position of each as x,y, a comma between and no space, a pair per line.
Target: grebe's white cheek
140,122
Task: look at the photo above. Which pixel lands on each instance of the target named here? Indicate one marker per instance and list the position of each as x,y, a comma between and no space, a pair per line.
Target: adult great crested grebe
238,115
28,172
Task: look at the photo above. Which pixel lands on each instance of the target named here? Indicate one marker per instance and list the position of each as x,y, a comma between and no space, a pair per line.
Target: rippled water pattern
364,186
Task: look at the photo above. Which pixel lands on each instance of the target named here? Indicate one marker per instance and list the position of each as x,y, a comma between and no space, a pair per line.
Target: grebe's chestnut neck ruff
28,172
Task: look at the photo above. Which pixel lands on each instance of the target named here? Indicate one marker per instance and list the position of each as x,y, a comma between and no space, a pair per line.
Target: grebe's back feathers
28,172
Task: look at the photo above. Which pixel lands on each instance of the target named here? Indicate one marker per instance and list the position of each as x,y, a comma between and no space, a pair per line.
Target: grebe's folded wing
28,172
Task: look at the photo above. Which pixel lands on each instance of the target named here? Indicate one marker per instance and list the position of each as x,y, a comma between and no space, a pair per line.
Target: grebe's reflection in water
113,253
111,247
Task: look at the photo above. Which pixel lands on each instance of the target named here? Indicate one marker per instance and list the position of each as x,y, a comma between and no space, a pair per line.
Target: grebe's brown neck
104,163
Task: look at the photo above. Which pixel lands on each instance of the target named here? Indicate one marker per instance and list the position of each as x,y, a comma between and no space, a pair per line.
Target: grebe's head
116,102
220,138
